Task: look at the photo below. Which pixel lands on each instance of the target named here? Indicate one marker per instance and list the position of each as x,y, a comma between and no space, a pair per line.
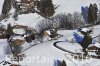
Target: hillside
50,53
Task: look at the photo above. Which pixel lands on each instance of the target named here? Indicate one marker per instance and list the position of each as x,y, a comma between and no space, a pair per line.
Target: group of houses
17,35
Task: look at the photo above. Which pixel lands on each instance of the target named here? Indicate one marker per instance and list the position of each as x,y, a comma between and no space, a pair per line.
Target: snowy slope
47,50
45,53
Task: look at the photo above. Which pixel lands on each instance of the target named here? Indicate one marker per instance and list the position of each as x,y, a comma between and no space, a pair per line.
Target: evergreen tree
46,7
6,7
95,10
9,31
63,63
90,14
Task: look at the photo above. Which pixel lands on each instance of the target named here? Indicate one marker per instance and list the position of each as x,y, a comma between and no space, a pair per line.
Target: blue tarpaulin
79,38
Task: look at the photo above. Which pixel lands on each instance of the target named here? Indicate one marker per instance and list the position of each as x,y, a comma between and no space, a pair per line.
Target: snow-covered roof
85,30
29,19
19,31
48,32
18,0
17,37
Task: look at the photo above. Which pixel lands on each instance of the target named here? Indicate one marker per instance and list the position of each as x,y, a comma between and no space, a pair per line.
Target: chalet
51,34
21,34
17,38
26,5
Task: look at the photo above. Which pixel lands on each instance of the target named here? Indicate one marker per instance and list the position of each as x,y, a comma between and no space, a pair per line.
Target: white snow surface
17,37
47,50
19,31
28,19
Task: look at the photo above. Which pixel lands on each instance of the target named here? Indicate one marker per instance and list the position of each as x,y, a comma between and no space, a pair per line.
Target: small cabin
92,48
52,33
19,31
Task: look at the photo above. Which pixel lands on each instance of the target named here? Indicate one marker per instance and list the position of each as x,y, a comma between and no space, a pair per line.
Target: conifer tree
6,7
63,63
90,14
9,31
95,10
46,7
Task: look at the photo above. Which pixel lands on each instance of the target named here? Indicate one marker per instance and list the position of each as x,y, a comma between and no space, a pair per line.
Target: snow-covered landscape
45,53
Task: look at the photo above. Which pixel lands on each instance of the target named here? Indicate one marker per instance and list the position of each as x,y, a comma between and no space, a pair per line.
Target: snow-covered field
45,53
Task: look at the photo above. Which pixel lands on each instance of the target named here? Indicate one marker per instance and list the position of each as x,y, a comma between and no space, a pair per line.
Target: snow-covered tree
92,13
78,20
